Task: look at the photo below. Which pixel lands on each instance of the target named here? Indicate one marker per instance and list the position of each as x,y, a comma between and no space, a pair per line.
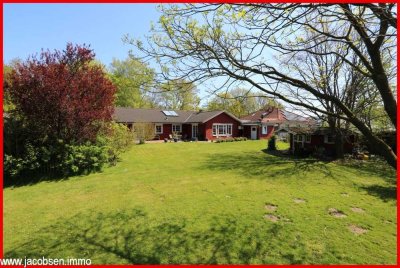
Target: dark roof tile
130,115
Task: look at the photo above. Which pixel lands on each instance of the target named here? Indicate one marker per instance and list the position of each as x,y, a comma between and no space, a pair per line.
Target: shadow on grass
267,164
386,193
32,179
377,167
132,237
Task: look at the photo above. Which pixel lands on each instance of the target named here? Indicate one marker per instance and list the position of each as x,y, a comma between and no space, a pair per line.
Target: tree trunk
381,80
339,151
379,145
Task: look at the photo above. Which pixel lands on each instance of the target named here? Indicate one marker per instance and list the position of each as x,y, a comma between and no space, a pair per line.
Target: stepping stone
271,207
299,200
336,213
357,210
271,217
357,229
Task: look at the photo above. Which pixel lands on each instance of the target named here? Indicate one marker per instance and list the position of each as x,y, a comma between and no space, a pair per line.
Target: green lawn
206,203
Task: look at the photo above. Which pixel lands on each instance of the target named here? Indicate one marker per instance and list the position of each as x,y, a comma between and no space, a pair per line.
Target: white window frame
195,126
264,130
299,138
326,139
155,128
174,127
216,128
308,138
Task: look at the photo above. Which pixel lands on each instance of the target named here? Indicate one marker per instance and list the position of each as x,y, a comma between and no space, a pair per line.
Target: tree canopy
240,102
60,95
178,95
133,80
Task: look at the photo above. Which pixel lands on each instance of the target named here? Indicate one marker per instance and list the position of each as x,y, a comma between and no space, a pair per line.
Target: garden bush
55,159
230,139
117,138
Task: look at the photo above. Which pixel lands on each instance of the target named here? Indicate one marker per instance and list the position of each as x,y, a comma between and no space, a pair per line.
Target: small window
177,128
328,138
264,130
229,129
159,128
299,138
308,138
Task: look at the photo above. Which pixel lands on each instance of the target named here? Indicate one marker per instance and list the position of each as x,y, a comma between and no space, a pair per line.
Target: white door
195,130
253,133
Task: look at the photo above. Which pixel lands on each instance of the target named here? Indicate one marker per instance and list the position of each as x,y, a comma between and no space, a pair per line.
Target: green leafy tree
240,102
178,95
133,80
7,70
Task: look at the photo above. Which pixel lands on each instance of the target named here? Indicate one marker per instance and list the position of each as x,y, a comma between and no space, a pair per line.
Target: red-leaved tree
62,94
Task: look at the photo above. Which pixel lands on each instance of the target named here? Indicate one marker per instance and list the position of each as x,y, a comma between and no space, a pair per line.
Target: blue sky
30,27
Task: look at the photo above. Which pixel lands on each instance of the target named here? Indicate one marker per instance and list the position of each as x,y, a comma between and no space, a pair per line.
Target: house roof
130,115
294,117
316,130
275,115
268,115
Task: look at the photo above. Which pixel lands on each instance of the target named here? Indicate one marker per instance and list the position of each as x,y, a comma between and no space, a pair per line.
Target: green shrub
117,138
28,158
230,139
55,159
86,158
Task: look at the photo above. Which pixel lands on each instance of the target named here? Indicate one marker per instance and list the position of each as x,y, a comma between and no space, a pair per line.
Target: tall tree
239,43
240,102
177,95
133,80
61,95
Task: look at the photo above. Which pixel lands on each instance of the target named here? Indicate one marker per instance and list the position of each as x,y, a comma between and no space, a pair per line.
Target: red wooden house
262,124
309,140
271,120
201,125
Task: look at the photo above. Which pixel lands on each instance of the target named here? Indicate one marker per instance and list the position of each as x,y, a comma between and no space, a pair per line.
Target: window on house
176,128
328,138
159,128
222,129
264,130
299,138
308,138
214,130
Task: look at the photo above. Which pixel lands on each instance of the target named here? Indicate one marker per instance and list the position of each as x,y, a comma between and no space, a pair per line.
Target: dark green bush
53,160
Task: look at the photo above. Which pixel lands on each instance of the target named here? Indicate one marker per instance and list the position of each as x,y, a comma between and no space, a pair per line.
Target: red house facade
305,141
187,125
266,122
